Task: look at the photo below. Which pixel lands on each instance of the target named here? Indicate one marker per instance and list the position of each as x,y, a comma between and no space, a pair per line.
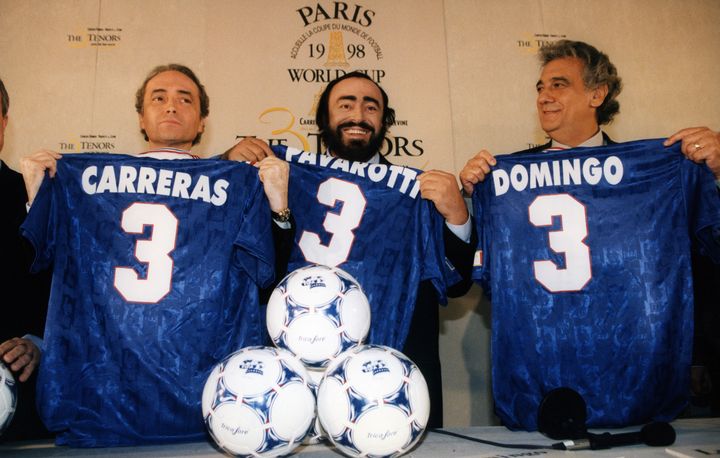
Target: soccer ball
8,397
373,401
317,312
258,402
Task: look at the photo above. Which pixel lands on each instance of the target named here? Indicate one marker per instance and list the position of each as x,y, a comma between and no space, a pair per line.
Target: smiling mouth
355,131
550,112
545,110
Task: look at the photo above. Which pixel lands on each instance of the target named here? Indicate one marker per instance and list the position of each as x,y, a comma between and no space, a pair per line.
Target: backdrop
460,73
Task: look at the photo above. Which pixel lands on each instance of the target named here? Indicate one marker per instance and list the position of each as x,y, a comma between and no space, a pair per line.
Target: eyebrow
553,79
365,99
162,90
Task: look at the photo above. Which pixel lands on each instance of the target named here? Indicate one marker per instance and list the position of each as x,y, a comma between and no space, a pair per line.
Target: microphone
654,434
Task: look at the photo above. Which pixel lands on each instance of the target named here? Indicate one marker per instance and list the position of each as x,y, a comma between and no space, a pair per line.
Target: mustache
361,124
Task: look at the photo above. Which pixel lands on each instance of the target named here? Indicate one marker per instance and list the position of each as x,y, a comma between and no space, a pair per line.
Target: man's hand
33,169
21,355
442,189
476,169
249,149
274,174
699,144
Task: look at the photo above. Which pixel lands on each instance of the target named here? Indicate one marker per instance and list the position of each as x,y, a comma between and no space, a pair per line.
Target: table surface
701,434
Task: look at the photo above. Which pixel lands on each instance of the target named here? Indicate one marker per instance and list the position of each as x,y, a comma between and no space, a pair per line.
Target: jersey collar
169,153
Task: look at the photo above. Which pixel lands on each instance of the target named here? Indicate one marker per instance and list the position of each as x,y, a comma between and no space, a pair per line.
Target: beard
355,150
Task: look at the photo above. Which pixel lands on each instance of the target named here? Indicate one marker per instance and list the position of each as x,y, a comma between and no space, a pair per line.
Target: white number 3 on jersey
339,225
569,240
154,251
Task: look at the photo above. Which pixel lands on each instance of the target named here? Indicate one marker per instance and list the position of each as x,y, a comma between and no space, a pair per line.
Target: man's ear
598,95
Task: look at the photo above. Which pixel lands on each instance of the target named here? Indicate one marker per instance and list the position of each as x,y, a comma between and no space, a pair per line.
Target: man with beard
353,117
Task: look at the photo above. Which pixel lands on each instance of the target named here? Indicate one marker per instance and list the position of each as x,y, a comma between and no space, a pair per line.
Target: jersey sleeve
39,226
436,267
702,202
256,253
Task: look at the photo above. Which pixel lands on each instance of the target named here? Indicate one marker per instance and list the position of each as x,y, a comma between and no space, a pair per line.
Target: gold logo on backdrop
287,129
336,51
334,39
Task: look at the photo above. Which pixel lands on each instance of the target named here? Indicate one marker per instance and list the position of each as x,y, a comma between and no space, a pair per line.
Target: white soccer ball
8,397
317,312
373,401
258,402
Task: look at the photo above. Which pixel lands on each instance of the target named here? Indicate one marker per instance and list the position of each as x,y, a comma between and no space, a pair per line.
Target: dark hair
204,99
598,70
322,115
4,99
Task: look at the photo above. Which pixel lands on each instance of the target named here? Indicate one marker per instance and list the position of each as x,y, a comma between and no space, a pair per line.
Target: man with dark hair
172,107
203,98
22,321
353,117
356,149
576,95
159,276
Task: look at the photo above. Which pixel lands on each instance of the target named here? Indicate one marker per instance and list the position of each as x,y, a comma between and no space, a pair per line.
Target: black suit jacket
540,148
23,304
27,316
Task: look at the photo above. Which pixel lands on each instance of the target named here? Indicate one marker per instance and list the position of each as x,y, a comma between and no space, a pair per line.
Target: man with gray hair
576,95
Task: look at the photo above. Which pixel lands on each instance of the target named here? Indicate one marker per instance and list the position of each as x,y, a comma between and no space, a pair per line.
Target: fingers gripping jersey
156,272
369,220
587,255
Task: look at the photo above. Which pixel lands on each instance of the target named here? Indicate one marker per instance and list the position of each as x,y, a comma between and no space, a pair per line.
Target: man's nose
356,114
544,96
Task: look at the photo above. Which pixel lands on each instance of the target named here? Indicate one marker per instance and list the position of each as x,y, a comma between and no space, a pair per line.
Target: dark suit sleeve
460,254
26,295
283,240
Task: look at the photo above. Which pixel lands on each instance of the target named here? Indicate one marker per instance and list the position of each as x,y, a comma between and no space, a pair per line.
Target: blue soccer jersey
586,253
156,272
369,220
